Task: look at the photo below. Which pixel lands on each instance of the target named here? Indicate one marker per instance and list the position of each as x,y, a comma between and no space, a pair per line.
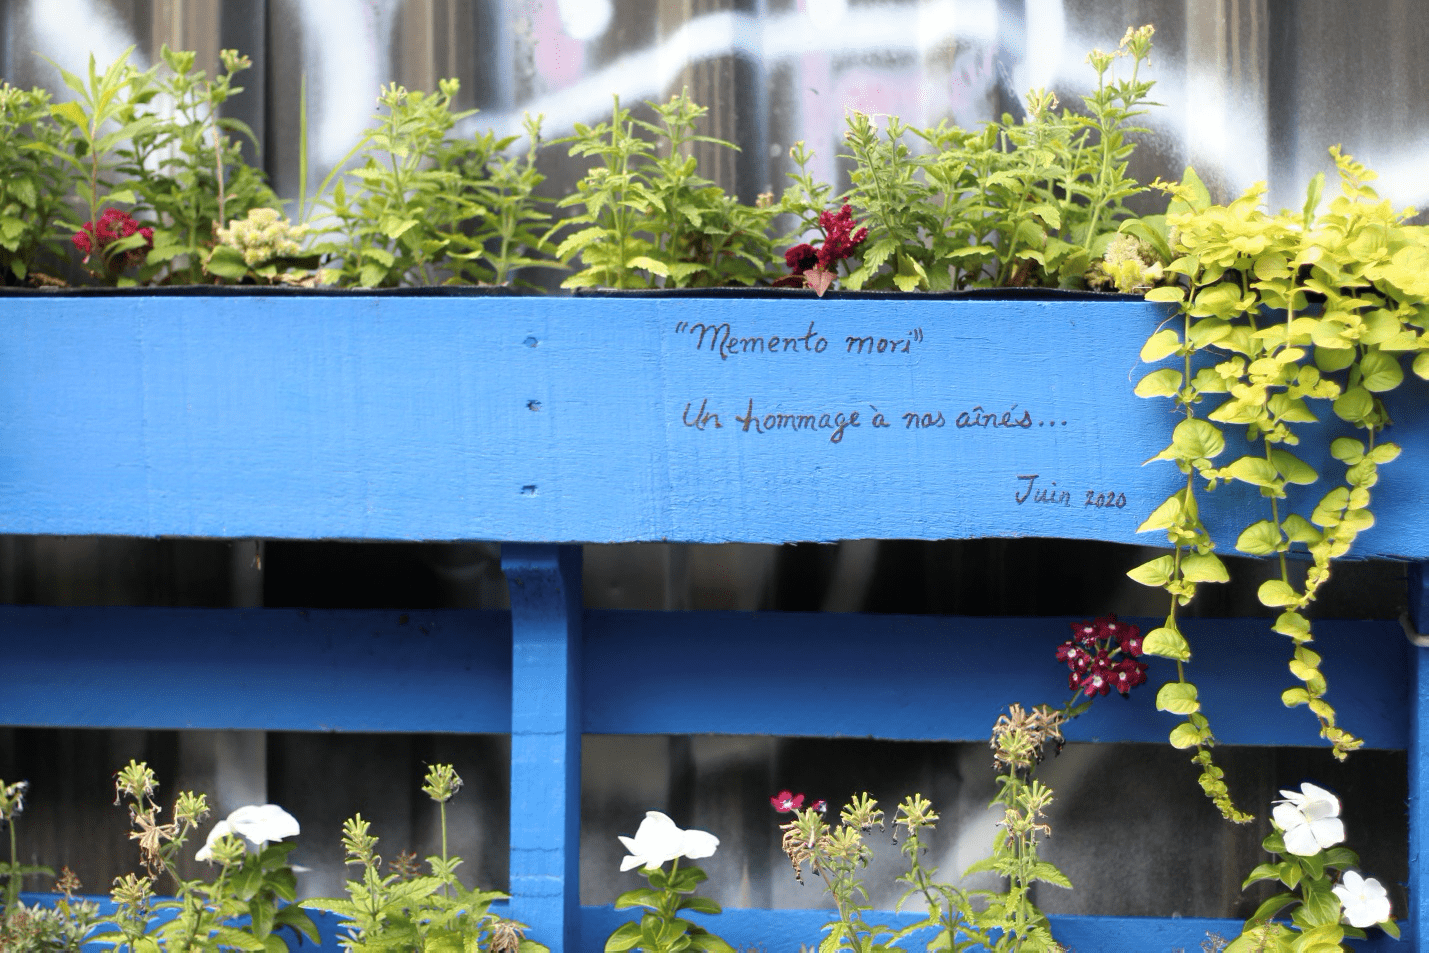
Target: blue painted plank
545,585
1419,761
936,678
595,419
316,670
276,669
790,931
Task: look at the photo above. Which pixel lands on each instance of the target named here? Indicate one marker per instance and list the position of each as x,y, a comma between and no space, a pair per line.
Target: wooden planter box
544,422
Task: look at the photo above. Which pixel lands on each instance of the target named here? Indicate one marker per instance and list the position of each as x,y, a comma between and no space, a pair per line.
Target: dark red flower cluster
112,226
839,242
786,802
1092,655
815,267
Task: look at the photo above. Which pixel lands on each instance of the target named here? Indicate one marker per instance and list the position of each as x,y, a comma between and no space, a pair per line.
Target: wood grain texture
545,584
554,419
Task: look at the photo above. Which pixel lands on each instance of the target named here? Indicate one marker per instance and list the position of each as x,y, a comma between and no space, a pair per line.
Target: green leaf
1155,573
649,264
1256,471
1347,449
1179,698
1160,345
1293,469
1166,643
1171,294
624,937
1421,365
1354,405
72,113
1385,453
1195,439
1260,539
1299,530
1203,567
1164,516
1380,372
1163,383
1291,623
1186,735
1276,592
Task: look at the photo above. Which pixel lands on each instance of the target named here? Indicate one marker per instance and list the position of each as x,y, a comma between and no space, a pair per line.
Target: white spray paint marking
69,31
585,19
345,70
1046,27
647,73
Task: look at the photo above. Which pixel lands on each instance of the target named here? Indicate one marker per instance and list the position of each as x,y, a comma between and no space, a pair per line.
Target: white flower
1309,819
659,840
255,823
1365,900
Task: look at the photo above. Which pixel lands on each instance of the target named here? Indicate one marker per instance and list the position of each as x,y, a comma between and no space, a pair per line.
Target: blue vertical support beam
1419,761
545,585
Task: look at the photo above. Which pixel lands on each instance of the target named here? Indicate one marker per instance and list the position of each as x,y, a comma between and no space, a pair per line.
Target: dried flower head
506,936
1019,737
406,866
67,883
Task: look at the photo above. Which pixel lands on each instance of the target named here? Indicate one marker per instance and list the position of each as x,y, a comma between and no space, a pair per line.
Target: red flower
112,226
821,806
801,258
838,243
1102,655
839,237
784,802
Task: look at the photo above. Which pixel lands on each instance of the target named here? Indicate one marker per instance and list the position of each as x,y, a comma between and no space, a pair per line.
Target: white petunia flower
1365,900
1309,819
659,840
255,823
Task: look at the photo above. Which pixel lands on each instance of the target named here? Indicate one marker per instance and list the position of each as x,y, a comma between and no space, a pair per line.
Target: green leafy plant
1030,202
507,230
390,226
1276,313
108,112
249,900
186,171
660,928
650,219
1102,655
405,910
179,171
427,204
63,927
37,178
1323,914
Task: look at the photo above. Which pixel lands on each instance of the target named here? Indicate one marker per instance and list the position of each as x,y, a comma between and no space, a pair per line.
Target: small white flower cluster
1130,265
262,236
1309,822
659,840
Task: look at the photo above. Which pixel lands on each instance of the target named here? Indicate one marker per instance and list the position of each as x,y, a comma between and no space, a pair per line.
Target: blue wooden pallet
542,423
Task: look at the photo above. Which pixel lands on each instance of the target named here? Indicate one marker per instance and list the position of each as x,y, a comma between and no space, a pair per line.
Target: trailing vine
1279,314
